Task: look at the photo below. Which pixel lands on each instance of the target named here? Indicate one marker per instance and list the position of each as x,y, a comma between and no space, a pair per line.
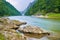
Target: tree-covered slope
6,9
44,6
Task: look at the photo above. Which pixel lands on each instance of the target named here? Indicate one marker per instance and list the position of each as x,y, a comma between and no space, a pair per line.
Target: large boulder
32,29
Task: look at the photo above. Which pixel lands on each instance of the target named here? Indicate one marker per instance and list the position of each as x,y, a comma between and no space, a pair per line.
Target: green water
47,24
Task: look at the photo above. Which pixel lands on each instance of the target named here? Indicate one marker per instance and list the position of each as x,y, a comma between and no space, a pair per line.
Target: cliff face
6,9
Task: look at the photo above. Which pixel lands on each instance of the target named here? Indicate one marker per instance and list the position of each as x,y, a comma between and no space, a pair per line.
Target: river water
47,24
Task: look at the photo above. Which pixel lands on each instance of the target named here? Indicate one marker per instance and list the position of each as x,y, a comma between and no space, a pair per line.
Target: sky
20,5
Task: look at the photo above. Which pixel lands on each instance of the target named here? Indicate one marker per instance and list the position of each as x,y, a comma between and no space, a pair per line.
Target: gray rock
32,29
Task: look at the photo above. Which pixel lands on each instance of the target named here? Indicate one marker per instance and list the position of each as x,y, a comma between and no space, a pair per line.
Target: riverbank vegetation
43,7
2,37
53,15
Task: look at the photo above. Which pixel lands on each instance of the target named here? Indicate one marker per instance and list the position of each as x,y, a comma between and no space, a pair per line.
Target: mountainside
6,9
29,9
44,7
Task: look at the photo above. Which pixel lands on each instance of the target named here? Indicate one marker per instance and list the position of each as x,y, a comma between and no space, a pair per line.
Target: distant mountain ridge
6,9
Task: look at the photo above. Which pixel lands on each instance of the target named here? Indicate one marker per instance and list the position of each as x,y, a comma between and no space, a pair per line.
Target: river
47,24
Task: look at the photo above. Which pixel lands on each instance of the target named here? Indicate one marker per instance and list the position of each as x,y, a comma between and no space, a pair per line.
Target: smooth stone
33,31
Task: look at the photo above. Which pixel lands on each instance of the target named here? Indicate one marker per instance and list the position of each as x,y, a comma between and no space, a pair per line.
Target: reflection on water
47,24
36,36
43,38
52,36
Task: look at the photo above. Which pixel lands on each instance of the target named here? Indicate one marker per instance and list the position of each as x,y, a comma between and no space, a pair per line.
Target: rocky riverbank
9,28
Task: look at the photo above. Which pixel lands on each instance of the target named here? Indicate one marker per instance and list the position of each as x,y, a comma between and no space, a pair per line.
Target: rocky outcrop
11,24
33,32
31,29
7,29
10,34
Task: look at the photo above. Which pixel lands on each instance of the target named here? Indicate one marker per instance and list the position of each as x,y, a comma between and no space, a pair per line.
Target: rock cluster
8,29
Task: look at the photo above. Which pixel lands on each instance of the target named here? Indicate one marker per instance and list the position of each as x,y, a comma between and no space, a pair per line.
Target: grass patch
53,15
2,37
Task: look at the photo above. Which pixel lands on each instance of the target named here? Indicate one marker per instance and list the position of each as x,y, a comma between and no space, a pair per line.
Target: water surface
47,24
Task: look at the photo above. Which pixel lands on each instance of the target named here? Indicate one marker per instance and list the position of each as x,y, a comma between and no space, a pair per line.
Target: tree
6,9
44,5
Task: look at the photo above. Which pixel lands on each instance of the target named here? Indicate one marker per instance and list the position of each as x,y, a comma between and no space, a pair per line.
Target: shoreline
46,17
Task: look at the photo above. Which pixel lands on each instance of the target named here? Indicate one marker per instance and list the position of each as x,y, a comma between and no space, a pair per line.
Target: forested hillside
44,7
6,9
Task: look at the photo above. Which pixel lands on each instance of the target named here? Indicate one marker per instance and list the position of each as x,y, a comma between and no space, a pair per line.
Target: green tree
6,9
44,5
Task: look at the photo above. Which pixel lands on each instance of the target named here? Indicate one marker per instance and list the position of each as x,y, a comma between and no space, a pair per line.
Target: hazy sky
20,4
